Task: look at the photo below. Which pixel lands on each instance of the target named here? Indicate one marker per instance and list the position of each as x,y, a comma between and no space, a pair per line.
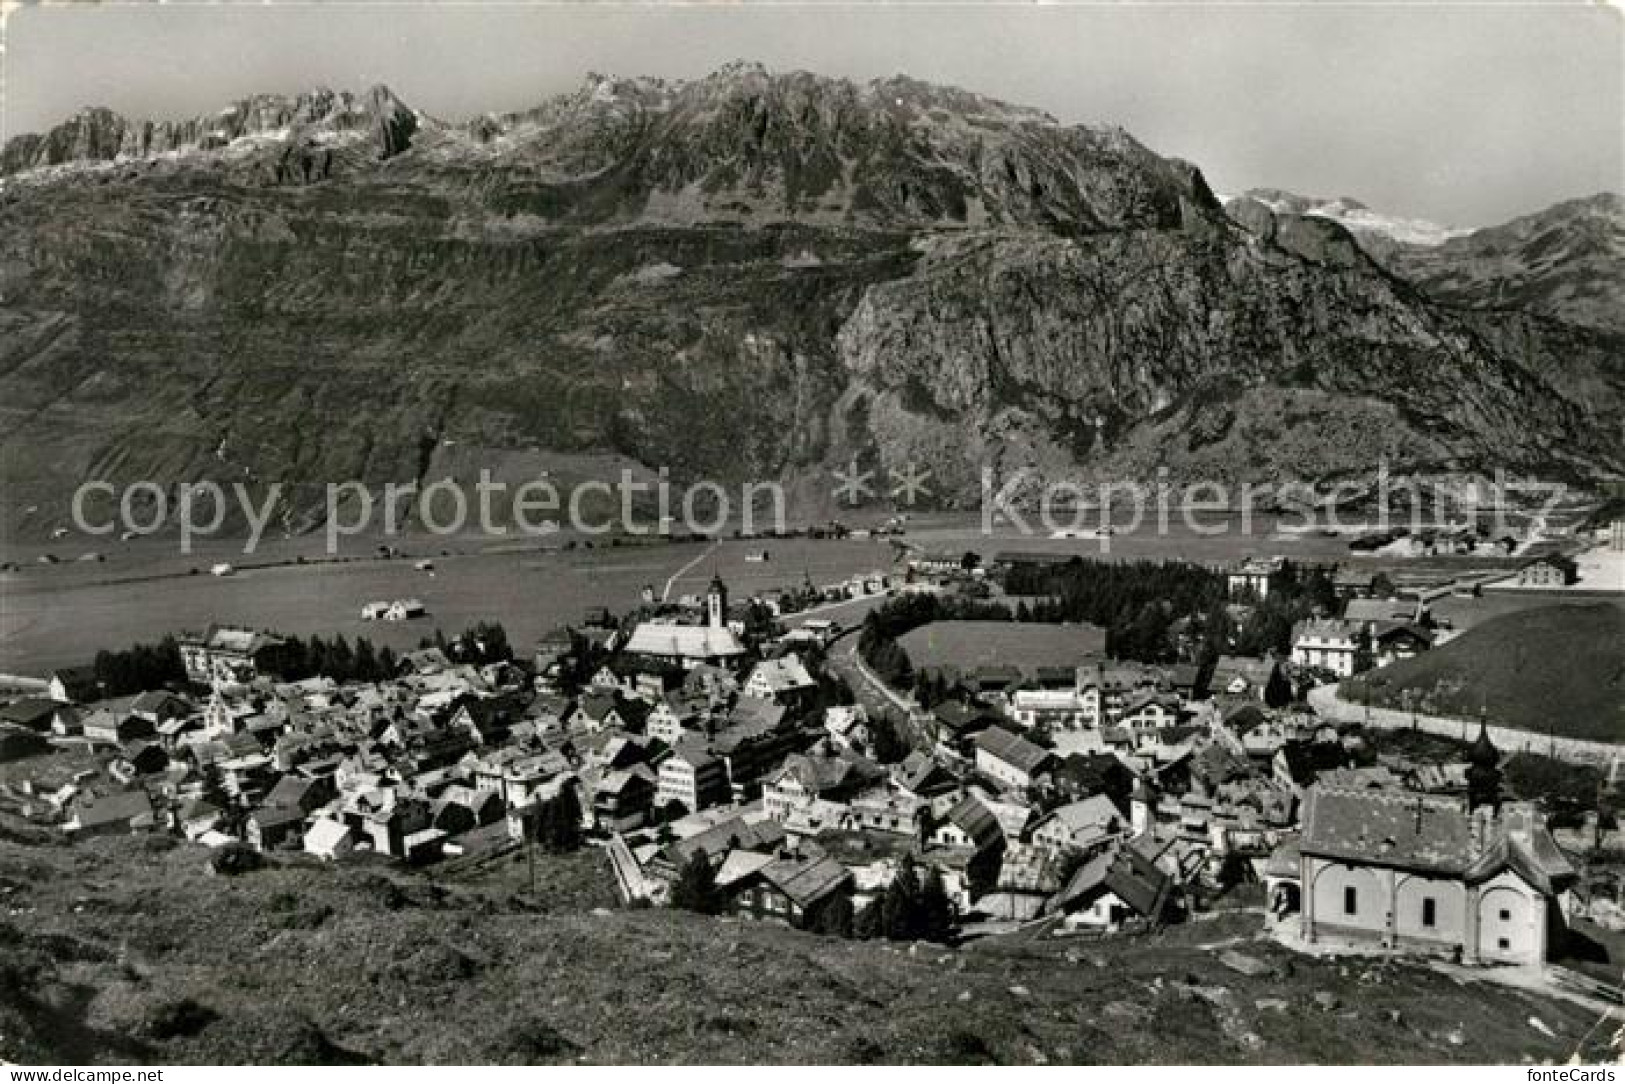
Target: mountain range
758,275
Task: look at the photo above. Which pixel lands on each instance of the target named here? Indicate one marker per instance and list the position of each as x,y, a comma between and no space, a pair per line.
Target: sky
1463,114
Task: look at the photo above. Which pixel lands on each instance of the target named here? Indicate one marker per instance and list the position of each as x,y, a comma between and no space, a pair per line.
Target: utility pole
530,854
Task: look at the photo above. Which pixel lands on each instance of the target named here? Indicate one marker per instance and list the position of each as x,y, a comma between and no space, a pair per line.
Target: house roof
31,711
234,639
325,834
272,816
1013,749
1139,882
112,808
1390,828
781,675
819,775
726,835
1331,630
972,816
1380,609
807,881
755,712
1255,671
739,865
1427,833
1305,760
290,790
684,641
1093,814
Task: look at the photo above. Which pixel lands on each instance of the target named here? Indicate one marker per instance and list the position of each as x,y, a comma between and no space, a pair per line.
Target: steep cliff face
1089,341
746,276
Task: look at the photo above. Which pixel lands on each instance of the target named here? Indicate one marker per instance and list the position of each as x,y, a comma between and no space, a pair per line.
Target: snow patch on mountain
1356,217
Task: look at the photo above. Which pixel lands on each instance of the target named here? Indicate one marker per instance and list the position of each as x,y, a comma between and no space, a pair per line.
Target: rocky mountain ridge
743,276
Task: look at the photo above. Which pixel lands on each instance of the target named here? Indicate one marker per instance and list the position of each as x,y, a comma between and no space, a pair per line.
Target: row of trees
139,668
296,659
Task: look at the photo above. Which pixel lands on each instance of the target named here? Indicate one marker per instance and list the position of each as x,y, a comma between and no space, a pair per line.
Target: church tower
1142,806
716,604
1483,772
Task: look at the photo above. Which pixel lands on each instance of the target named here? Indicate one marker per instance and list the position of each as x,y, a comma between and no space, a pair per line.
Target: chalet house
1241,675
922,778
693,778
389,826
227,653
803,778
144,758
1009,758
111,814
794,891
1426,873
38,713
1028,876
1056,709
673,717
269,827
600,711
938,562
1328,643
623,797
610,679
1120,685
956,725
1395,642
848,726
554,649
970,823
160,707
1353,583
74,685
107,727
304,793
662,868
1080,827
329,839
197,817
749,749
1114,888
893,814
784,680
1547,572
1250,579
1149,710
406,609
486,720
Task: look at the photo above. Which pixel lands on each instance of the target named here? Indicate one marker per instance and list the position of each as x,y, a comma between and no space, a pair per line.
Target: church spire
1484,770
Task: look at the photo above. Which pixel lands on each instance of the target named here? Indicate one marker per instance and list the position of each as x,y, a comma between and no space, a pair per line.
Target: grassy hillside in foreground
123,950
1557,669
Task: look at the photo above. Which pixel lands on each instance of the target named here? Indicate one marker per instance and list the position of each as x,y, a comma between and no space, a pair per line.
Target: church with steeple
1477,877
713,643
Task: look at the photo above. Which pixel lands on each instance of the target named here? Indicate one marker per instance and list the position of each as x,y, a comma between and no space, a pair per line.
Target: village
963,760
